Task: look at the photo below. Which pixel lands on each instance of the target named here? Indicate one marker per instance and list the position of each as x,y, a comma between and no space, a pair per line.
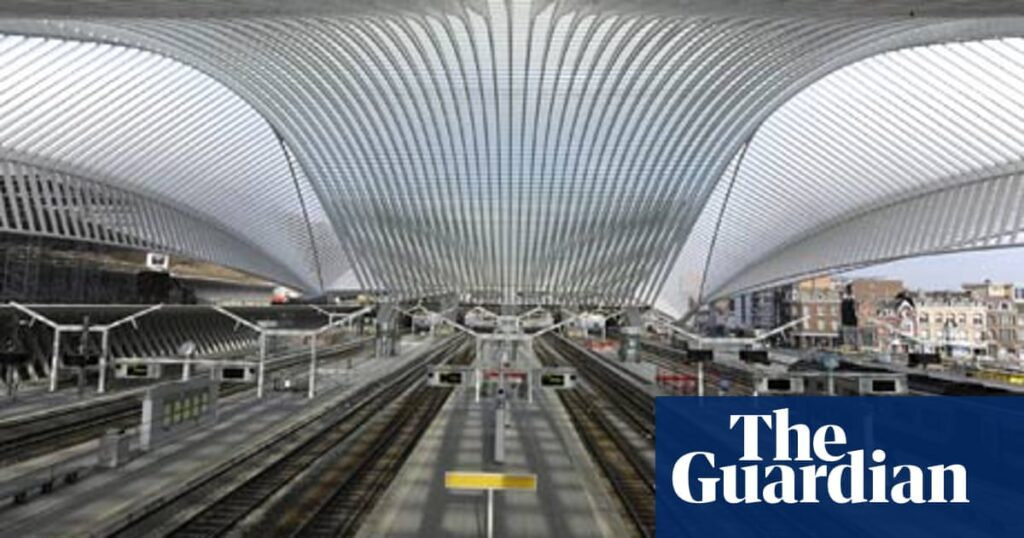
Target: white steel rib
566,151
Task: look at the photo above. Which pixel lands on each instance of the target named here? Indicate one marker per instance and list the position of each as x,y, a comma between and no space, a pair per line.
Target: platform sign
683,383
923,359
171,407
517,375
445,379
137,370
779,384
758,356
492,481
240,374
489,482
447,376
700,355
556,378
450,378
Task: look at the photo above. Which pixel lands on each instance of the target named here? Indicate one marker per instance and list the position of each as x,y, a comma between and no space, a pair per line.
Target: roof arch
911,152
144,123
561,150
44,202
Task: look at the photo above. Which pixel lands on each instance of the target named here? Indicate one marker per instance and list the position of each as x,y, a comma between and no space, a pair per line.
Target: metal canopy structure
916,151
531,151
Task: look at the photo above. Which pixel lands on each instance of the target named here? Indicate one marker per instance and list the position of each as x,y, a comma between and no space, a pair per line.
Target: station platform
93,506
36,399
571,499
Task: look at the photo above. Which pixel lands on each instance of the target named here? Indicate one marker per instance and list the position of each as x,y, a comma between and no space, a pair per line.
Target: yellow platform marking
481,481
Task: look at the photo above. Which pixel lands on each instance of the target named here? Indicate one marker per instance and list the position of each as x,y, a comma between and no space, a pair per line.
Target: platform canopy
645,152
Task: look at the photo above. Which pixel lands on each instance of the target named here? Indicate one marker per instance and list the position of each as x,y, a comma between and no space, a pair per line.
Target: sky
949,271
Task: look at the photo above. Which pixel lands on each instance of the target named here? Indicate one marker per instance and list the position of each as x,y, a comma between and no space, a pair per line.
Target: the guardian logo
809,467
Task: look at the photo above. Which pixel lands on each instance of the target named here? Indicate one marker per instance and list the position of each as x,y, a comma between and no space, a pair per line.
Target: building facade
1000,300
953,322
819,300
877,312
894,326
759,310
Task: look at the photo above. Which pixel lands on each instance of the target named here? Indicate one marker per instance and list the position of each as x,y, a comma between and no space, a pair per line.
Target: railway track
631,477
27,439
24,439
593,411
672,358
339,498
740,380
927,385
633,406
386,412
335,501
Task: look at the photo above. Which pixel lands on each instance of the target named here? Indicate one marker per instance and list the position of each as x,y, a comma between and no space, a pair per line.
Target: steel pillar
104,359
55,361
312,367
263,360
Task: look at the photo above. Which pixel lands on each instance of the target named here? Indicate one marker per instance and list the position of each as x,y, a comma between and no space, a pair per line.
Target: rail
593,410
214,504
23,439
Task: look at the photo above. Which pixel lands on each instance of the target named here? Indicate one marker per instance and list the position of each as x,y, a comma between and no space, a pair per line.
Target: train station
511,268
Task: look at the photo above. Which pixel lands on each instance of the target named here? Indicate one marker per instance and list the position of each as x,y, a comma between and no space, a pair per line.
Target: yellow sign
481,481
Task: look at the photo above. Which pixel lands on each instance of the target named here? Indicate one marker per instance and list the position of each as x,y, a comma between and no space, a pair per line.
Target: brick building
818,299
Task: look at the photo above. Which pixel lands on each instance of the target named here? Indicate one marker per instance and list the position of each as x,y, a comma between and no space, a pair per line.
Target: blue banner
840,467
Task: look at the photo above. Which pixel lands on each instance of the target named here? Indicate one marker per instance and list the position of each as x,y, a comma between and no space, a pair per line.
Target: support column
104,359
312,367
55,360
490,513
700,379
386,330
186,368
630,331
263,359
499,432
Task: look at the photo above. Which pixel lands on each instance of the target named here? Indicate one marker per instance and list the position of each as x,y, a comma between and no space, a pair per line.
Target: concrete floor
571,499
91,505
35,399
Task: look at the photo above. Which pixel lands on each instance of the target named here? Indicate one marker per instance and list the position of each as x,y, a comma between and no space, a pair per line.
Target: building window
979,319
924,318
962,319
